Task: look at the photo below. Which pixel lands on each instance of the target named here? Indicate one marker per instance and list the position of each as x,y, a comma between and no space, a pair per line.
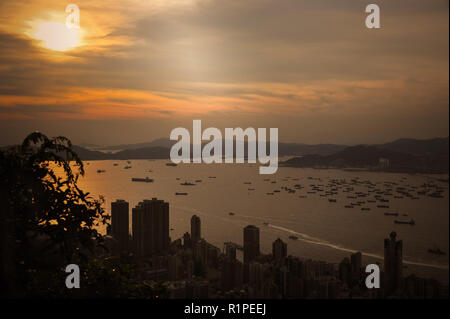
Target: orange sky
310,68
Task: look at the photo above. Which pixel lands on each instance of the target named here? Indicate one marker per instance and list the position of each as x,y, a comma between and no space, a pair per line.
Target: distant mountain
161,142
406,155
284,149
86,154
91,146
143,153
403,154
140,153
364,155
435,146
161,149
354,156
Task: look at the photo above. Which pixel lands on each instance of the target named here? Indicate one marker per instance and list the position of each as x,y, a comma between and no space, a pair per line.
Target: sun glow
57,36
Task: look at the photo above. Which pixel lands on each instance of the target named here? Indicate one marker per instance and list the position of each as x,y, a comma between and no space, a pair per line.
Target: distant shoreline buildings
190,267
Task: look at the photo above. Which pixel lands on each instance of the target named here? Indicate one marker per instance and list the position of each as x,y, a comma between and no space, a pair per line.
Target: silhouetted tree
46,220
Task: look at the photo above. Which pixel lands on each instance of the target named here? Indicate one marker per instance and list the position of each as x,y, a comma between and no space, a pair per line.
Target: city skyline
188,265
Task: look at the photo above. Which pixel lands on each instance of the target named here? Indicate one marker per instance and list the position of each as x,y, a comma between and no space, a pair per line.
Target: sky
135,69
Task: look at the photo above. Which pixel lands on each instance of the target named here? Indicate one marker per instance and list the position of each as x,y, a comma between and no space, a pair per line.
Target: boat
391,214
101,171
331,200
436,195
171,164
127,167
436,251
115,164
365,208
411,222
293,237
178,194
187,184
198,181
231,213
265,223
145,180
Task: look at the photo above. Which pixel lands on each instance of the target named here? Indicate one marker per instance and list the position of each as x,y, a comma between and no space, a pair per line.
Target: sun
57,36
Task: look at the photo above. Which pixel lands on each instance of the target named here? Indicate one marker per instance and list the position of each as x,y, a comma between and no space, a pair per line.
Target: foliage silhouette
47,222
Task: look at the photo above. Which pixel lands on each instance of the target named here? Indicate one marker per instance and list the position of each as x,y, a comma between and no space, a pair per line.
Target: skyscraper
175,268
231,275
279,250
195,228
251,243
187,240
345,270
393,263
230,251
120,223
356,262
151,227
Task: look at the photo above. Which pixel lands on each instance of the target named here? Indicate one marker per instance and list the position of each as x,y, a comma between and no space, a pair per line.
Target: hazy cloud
247,61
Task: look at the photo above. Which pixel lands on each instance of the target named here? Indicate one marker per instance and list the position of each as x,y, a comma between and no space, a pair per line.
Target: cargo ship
411,222
391,214
436,251
145,180
171,164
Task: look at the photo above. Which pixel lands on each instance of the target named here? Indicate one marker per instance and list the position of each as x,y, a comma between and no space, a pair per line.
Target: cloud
178,59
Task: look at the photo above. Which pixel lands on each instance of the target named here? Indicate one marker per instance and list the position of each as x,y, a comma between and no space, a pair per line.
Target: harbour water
326,229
